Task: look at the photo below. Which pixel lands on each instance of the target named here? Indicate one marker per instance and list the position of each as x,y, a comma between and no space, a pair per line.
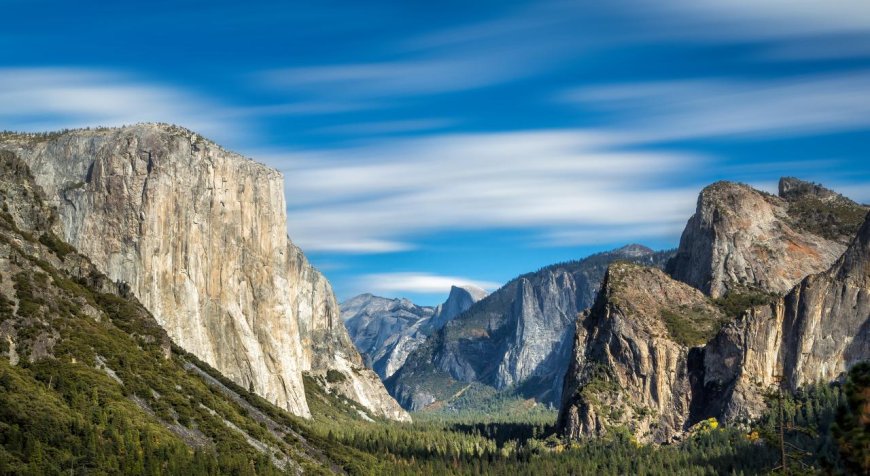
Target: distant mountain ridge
386,330
517,337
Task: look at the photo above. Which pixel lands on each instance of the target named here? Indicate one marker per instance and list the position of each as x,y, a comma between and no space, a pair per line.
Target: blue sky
429,143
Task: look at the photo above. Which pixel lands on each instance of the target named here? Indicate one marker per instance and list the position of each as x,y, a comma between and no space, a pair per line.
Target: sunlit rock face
326,344
740,238
519,337
791,245
197,232
630,364
630,369
814,333
458,301
386,331
200,236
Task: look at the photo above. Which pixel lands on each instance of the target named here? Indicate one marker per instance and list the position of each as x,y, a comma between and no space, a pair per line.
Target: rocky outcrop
519,337
36,269
199,236
458,301
542,312
326,345
650,356
386,331
61,320
42,278
743,239
630,364
815,333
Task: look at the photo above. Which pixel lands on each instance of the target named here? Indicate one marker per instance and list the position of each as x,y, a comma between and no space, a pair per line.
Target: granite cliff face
326,344
36,269
630,367
743,239
519,337
381,328
62,320
815,333
386,330
458,301
199,235
655,356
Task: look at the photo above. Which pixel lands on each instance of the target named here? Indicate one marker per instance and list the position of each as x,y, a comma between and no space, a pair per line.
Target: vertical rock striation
386,331
460,299
630,365
542,312
326,344
815,333
519,337
199,235
655,356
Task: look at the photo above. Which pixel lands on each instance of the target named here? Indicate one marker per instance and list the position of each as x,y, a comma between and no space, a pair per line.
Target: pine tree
851,431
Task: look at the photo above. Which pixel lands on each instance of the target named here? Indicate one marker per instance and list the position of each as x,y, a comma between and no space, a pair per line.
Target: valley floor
474,443
42,437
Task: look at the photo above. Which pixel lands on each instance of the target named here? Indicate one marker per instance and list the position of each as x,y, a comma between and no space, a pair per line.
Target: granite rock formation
655,356
743,239
815,333
458,301
630,366
199,236
519,337
326,344
75,345
386,331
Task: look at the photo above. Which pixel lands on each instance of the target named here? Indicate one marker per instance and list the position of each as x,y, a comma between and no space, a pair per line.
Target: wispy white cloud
510,28
349,242
830,47
388,127
396,78
516,44
303,108
703,108
418,282
559,180
626,233
781,28
748,19
575,186
798,29
375,198
55,98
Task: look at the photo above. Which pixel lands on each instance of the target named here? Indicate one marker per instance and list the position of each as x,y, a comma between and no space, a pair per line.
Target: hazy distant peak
633,250
475,292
